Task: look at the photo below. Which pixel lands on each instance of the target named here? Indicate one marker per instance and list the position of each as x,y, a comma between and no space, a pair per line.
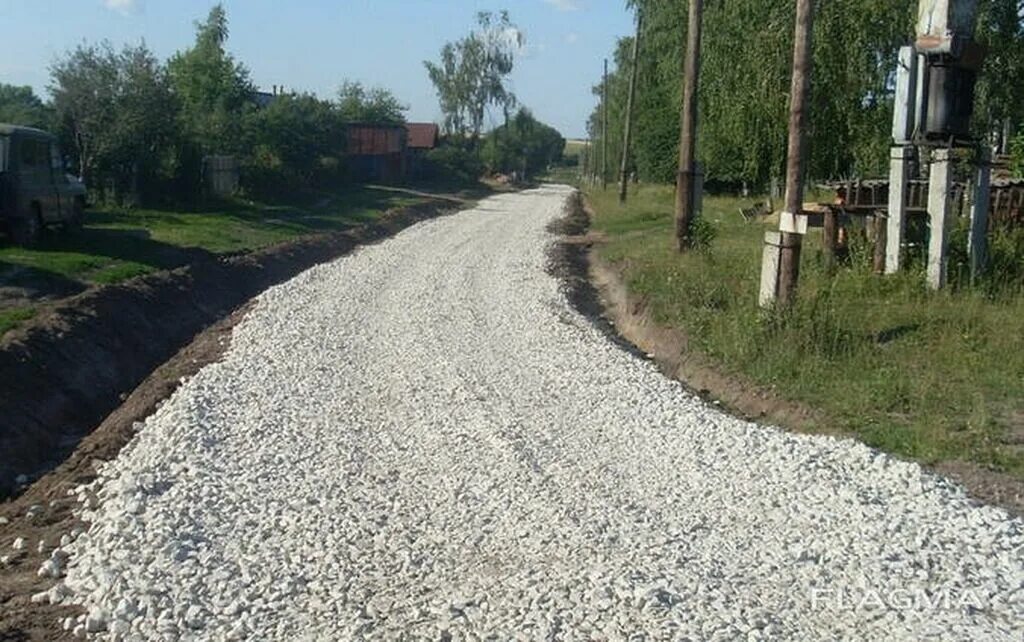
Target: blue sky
312,45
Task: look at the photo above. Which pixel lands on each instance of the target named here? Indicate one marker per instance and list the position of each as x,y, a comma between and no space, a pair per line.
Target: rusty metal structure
869,197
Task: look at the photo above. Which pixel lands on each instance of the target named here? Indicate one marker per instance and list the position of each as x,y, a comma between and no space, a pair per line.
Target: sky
312,45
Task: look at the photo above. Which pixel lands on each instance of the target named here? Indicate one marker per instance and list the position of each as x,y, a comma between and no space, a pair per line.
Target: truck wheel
26,231
77,218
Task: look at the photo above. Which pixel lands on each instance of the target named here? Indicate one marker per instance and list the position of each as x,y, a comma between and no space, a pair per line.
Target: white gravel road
423,440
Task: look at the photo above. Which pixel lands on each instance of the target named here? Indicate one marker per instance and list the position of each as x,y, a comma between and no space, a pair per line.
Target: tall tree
744,87
118,112
213,88
473,72
1000,101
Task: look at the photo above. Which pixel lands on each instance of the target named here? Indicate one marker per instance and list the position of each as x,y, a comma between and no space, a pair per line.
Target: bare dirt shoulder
76,361
597,289
44,512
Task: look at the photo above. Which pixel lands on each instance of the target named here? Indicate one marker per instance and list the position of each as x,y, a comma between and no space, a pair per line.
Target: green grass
10,318
116,245
929,376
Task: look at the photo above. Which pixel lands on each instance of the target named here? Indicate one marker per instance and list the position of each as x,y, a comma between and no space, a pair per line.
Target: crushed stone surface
424,440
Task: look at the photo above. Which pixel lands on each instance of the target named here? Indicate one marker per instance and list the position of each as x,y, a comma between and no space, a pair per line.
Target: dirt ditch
77,360
111,355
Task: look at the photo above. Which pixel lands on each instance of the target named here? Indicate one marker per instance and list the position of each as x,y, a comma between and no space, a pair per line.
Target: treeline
471,78
137,129
744,86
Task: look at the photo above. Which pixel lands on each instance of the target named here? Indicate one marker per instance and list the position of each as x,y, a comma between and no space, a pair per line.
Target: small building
422,137
377,151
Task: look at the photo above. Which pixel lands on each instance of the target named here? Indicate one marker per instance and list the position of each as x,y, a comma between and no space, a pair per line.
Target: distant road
424,438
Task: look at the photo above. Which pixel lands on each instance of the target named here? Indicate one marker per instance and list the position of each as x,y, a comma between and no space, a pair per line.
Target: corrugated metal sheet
375,140
422,135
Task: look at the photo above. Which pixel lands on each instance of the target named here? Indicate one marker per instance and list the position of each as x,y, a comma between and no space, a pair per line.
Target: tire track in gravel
424,439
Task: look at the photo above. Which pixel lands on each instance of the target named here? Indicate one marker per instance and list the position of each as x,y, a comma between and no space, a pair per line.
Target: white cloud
572,38
566,5
123,7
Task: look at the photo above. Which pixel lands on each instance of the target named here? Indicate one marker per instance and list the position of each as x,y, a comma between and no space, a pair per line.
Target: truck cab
35,189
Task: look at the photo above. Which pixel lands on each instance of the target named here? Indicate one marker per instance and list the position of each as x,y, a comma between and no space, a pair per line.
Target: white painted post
939,210
899,177
770,260
905,99
977,240
904,121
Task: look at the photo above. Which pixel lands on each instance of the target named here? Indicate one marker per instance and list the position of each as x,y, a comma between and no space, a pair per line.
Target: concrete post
939,211
904,101
977,240
771,258
899,177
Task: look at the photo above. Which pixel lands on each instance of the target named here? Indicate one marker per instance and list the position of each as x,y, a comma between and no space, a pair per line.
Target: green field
929,376
117,244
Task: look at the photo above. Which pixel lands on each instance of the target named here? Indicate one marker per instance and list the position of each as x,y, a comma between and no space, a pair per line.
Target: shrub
454,162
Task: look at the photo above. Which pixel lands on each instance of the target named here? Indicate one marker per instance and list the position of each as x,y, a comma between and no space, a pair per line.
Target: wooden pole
881,223
686,184
789,263
977,241
623,182
604,130
829,239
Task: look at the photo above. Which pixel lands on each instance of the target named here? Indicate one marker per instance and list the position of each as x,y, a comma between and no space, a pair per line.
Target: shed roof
422,135
8,129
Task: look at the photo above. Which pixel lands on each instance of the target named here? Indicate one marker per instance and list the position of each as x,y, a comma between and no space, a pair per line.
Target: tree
145,124
525,145
294,142
84,88
744,87
20,106
118,112
213,89
1000,101
356,103
473,73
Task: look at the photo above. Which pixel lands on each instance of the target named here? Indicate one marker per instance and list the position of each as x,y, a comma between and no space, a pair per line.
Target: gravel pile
423,438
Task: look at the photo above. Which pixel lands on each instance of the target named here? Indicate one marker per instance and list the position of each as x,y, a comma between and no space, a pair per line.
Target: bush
1017,155
454,162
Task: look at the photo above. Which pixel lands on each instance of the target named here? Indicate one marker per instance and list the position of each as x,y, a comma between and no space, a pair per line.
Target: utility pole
792,238
686,180
781,267
604,131
623,177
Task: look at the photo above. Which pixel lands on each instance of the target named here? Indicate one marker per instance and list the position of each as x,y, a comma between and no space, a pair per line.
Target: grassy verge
119,244
929,376
116,245
12,317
